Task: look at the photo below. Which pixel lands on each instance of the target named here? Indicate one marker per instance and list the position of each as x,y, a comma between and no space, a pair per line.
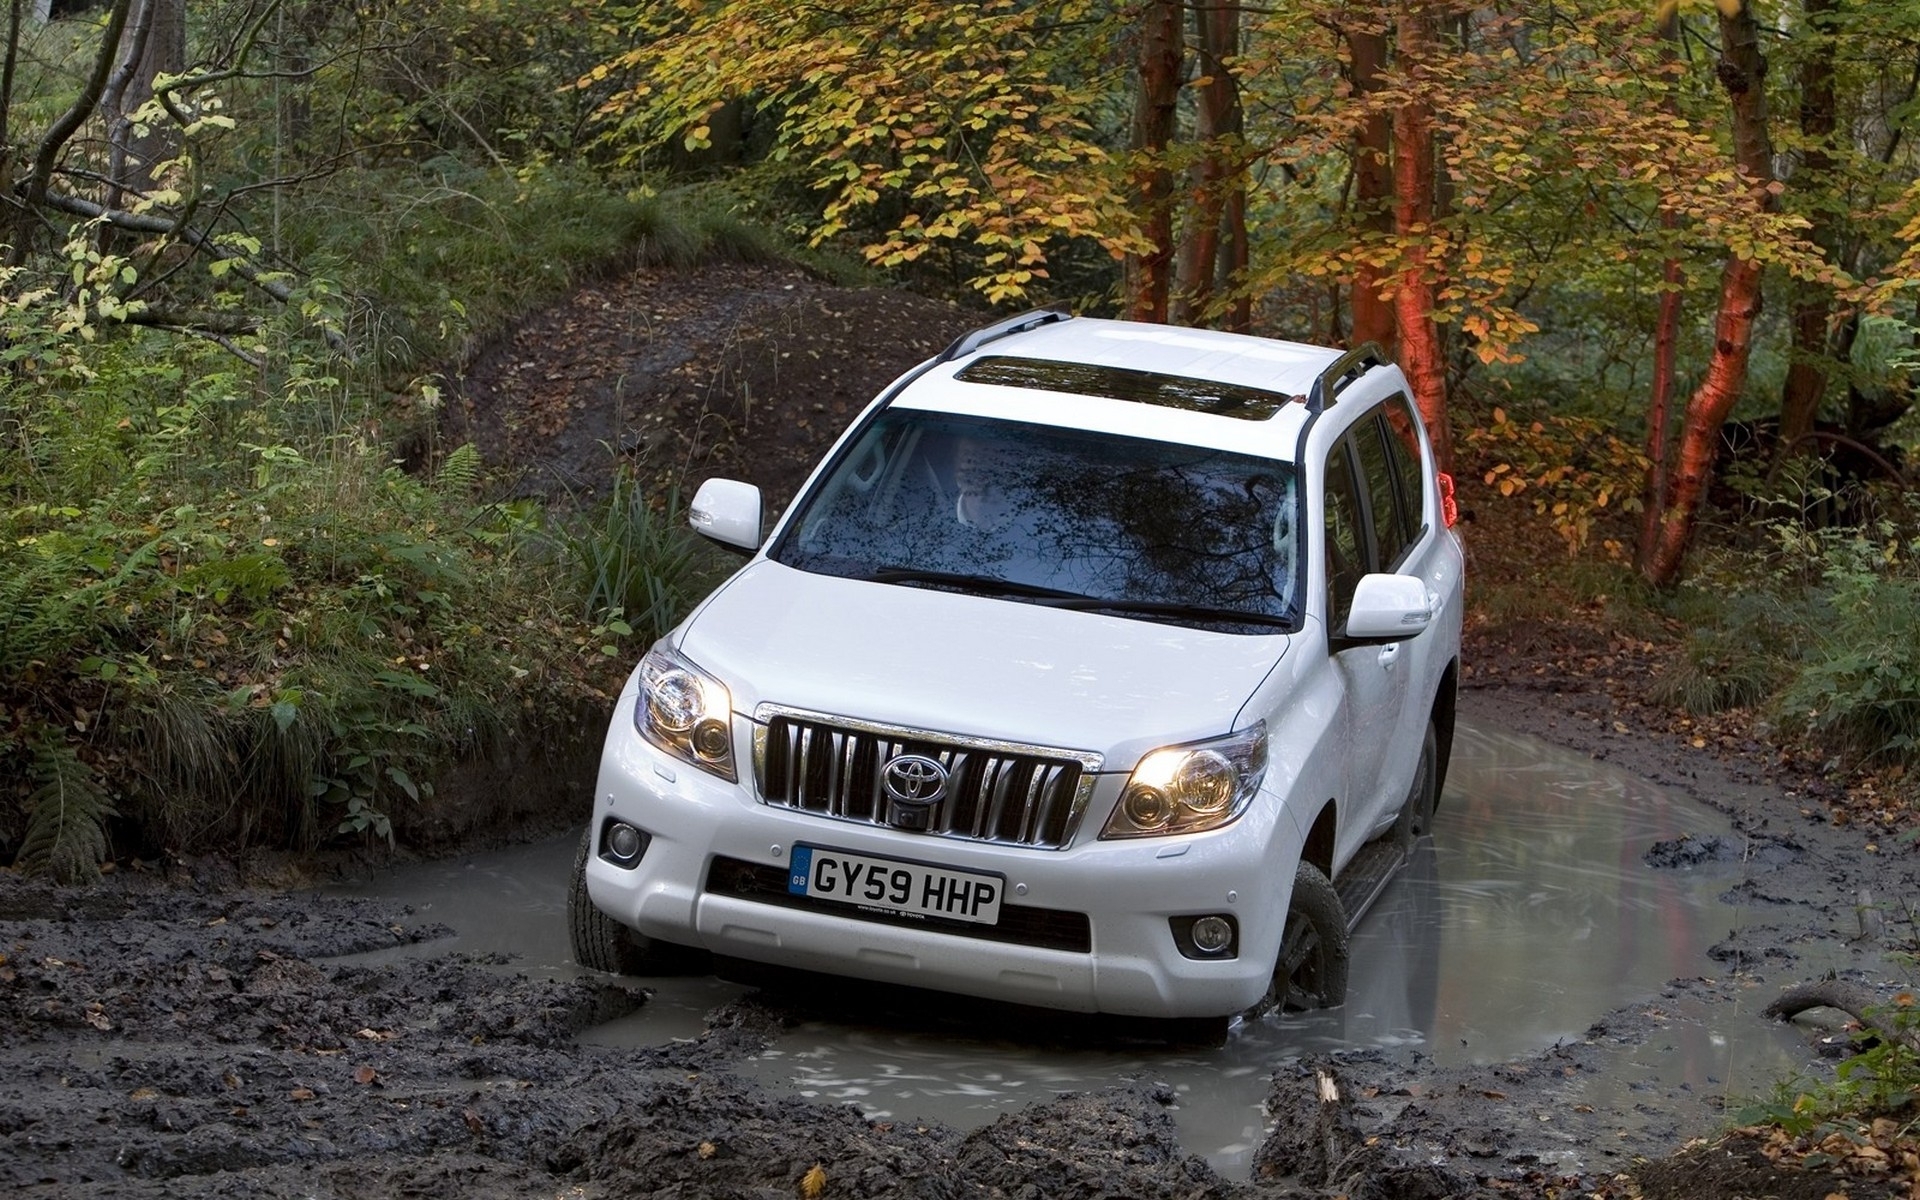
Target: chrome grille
996,792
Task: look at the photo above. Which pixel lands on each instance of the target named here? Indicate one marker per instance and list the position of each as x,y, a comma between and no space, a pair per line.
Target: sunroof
1120,383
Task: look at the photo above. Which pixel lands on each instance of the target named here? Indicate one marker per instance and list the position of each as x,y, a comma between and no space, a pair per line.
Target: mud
162,1035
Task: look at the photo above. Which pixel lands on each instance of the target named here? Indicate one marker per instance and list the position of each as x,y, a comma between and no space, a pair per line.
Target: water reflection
1525,917
1528,915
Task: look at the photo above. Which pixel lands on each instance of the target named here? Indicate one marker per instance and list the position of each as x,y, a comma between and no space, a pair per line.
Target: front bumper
1085,928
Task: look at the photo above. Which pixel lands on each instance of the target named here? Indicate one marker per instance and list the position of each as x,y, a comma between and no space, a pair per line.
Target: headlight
685,712
1184,789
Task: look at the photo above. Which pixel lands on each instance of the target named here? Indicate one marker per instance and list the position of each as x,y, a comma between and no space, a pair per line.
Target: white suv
1101,666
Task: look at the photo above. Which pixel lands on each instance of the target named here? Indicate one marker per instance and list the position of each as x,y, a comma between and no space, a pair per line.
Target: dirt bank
170,1033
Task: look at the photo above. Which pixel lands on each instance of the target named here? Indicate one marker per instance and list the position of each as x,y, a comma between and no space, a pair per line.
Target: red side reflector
1449,511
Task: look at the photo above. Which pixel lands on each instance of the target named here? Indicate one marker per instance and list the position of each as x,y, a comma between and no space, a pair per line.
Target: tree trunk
1742,70
1148,273
155,43
1666,338
6,96
1666,347
1421,355
1806,384
47,153
1373,179
1216,222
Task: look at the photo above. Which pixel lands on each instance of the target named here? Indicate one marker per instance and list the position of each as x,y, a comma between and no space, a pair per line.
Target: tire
1311,969
601,943
1423,796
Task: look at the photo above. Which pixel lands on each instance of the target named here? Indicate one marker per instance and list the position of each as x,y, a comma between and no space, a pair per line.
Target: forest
1651,270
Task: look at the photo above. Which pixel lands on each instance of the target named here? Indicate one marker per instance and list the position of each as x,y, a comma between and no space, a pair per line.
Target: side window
1404,446
1346,552
1391,531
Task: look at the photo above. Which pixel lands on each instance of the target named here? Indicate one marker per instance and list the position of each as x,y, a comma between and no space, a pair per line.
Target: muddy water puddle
1529,914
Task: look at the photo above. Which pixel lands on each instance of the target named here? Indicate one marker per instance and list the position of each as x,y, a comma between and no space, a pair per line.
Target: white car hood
947,662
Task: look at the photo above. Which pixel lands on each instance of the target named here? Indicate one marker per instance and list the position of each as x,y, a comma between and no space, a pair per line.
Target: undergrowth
1815,630
228,618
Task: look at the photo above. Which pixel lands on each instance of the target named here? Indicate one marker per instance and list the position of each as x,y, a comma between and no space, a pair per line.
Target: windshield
1057,516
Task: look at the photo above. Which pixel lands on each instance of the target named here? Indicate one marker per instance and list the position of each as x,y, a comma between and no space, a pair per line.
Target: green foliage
1731,662
67,812
1882,1077
1858,678
263,629
637,567
1816,630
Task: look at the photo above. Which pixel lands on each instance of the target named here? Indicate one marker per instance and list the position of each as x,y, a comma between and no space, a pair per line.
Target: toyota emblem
914,779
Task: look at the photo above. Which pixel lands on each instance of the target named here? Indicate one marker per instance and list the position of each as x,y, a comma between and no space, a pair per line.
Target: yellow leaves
813,1183
1572,469
975,123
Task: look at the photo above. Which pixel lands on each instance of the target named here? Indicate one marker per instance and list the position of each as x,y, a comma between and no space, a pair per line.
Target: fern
67,814
459,473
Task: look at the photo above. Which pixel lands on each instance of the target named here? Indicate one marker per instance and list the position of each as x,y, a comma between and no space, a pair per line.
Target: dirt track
166,1033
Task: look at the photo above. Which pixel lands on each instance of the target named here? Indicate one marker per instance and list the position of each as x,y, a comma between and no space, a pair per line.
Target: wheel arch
1319,846
1445,701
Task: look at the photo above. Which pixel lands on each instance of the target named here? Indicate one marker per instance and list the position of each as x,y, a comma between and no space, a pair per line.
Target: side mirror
728,512
1389,608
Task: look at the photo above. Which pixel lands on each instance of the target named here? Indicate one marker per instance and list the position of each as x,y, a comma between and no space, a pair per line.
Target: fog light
624,842
1211,935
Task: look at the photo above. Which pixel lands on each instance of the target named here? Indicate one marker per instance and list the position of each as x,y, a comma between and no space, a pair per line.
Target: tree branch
142,223
1851,999
69,123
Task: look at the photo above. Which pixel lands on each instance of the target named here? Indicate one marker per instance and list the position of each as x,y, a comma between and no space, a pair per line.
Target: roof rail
967,343
1343,371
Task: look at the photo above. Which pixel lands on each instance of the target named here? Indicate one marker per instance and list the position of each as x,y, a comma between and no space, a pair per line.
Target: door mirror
1389,608
728,512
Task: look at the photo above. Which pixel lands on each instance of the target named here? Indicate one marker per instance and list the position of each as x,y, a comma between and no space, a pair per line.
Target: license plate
895,886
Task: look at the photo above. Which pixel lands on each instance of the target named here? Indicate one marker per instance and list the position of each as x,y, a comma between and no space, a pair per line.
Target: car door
1367,678
1419,545
1371,526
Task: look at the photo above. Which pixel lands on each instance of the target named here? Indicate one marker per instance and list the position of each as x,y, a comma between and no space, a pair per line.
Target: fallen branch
1850,998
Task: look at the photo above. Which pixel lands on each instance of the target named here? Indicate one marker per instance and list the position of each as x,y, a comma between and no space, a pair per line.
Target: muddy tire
1311,971
1423,797
601,943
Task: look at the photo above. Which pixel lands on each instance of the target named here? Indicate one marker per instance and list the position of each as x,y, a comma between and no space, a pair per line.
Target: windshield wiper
960,581
1060,598
1174,609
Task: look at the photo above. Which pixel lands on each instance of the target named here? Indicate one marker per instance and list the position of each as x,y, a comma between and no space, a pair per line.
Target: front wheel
1311,970
601,943
1423,797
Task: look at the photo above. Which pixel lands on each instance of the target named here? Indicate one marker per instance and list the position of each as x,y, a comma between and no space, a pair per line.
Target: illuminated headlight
685,712
1184,789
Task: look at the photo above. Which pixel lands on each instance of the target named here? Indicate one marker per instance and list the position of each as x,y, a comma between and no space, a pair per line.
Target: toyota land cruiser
1100,666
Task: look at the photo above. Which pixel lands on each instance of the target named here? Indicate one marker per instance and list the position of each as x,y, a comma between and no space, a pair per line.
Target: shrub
1857,684
276,643
1574,470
